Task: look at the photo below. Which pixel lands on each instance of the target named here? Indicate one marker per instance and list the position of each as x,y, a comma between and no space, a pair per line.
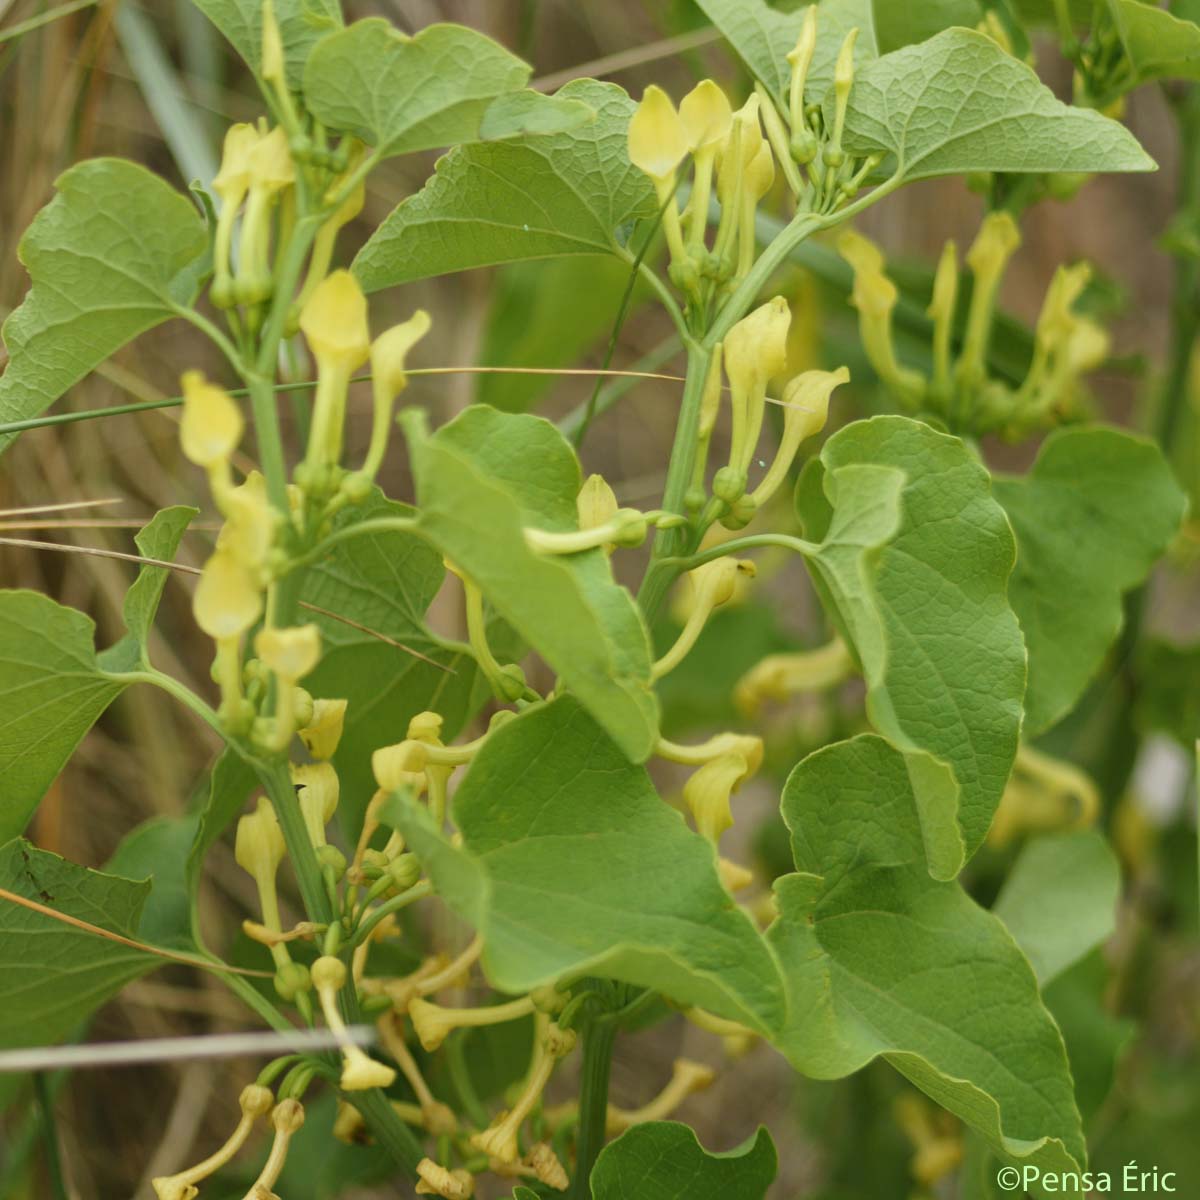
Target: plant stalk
670,542
598,1039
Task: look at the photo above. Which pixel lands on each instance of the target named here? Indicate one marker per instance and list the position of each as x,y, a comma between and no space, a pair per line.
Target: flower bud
291,979
272,45
404,870
212,423
800,59
596,503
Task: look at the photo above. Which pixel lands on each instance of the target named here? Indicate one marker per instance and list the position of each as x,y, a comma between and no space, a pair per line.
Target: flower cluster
743,148
959,390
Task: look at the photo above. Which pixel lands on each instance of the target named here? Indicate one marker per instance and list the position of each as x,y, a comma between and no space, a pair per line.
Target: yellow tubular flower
433,1023
255,1102
436,1117
725,762
321,254
687,1077
286,1117
658,139
734,877
228,600
708,790
779,676
359,1071
230,185
334,322
759,175
388,354
937,1152
805,411
259,849
755,350
435,1180
251,522
499,1140
658,143
290,654
271,170
997,240
212,423
317,792
942,307
736,154
324,731
1057,324
875,297
546,1167
713,584
706,118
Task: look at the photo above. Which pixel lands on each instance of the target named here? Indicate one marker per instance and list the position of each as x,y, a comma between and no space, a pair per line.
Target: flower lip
658,140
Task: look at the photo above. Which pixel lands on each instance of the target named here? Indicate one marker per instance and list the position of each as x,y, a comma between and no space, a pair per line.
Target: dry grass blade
623,60
54,14
182,568
144,947
6,513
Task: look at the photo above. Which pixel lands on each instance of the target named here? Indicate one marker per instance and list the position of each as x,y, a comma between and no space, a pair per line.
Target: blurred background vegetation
154,82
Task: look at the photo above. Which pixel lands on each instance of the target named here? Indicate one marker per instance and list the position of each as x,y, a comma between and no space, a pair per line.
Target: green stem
214,335
277,784
180,691
772,257
270,440
753,541
1185,319
250,996
671,542
417,892
58,1186
389,1131
598,1040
